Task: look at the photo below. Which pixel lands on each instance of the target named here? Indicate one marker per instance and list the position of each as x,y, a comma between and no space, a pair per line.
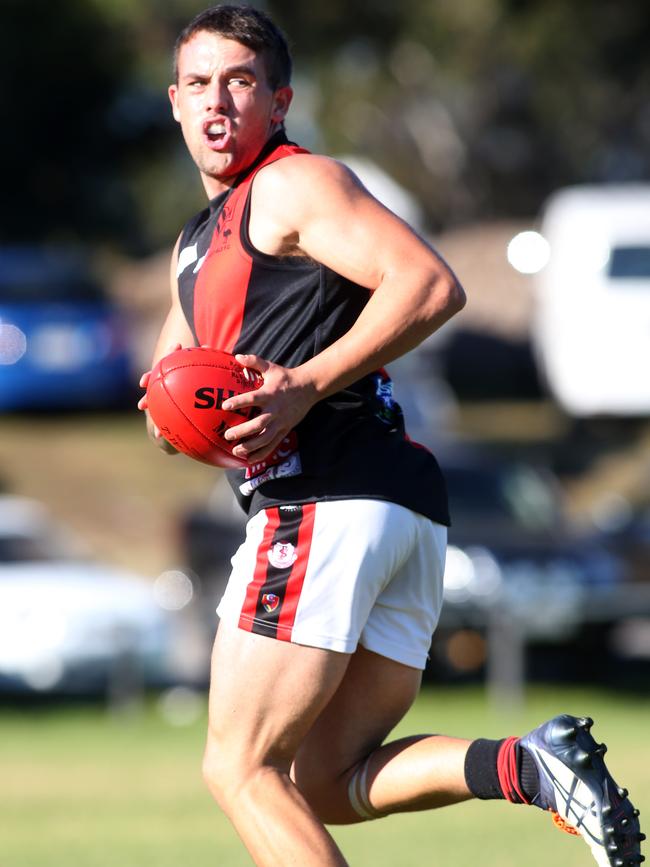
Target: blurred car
72,626
514,512
519,573
592,312
63,343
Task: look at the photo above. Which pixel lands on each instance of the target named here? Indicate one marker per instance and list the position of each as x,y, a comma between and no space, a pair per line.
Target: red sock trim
507,772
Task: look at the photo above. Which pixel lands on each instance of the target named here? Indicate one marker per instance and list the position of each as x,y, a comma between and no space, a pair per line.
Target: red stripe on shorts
298,571
246,619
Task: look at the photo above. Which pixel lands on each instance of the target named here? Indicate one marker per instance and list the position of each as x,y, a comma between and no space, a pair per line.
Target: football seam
215,366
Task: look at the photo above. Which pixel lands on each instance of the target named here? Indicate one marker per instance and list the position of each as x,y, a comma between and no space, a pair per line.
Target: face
225,106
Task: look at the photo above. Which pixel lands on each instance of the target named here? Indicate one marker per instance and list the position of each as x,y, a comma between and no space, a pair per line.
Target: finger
253,427
173,348
256,457
144,379
256,450
143,403
241,401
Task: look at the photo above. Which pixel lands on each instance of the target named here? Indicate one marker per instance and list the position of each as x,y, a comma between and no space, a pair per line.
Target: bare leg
409,774
265,696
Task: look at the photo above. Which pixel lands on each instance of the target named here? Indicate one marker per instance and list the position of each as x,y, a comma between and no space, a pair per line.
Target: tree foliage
481,107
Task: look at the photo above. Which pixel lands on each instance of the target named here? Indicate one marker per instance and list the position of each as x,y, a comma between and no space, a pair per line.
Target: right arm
174,334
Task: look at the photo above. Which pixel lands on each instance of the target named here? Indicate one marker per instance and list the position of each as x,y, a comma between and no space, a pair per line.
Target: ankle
501,770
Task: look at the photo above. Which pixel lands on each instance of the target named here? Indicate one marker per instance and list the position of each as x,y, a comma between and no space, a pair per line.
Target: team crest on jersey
282,555
389,411
270,601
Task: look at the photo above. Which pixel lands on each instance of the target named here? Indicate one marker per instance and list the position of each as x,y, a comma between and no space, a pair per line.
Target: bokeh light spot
13,344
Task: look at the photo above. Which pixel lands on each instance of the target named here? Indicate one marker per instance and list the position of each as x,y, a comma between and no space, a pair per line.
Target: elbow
452,295
458,297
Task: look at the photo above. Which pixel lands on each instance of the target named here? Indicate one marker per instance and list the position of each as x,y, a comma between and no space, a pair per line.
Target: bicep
342,226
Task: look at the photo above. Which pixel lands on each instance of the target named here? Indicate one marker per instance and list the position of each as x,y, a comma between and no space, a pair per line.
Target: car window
473,492
19,549
48,290
532,501
39,276
514,495
630,263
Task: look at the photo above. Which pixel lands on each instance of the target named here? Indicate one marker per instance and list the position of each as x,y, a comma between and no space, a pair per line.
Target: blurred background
516,137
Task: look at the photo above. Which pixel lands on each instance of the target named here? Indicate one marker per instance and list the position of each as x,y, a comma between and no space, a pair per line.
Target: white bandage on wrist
358,793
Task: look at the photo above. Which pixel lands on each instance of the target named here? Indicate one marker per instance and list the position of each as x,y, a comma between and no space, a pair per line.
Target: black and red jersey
288,309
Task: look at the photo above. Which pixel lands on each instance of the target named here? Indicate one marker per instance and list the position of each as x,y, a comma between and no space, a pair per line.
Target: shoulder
304,176
295,192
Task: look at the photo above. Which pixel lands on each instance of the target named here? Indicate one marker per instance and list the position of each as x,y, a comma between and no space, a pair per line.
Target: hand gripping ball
185,395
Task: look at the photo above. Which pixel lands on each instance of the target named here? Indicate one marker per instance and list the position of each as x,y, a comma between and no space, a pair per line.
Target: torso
245,287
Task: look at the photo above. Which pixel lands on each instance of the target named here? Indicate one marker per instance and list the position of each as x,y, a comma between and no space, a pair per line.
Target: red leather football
185,395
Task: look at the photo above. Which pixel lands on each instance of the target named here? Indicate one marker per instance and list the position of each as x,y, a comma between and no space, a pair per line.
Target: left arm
328,215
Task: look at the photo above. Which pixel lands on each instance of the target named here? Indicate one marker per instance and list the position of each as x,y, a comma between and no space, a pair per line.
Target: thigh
265,696
372,697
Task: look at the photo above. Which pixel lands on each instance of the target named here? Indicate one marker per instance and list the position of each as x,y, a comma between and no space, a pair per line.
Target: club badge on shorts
270,601
282,555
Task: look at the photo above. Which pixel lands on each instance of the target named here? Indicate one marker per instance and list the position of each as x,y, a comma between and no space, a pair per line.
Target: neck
214,186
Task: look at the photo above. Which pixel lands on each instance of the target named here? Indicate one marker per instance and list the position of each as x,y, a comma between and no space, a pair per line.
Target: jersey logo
199,262
388,410
186,257
288,468
282,555
270,601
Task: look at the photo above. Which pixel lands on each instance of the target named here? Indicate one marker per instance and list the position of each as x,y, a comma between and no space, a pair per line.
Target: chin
217,169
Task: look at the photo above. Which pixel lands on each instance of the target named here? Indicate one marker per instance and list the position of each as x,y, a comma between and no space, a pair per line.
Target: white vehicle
591,330
70,625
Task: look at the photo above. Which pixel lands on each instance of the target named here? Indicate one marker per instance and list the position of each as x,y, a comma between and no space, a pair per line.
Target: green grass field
80,786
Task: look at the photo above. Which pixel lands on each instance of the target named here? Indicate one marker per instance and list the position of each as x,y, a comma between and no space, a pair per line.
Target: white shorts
333,574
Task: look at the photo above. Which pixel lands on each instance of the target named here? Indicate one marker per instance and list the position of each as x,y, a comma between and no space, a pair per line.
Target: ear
173,98
281,102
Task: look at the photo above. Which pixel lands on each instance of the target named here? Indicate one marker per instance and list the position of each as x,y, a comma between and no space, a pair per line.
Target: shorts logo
282,555
270,601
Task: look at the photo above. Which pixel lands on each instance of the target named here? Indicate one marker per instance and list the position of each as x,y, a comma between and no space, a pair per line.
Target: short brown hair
251,28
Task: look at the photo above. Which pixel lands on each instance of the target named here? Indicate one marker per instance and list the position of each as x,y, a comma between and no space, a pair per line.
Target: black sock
481,769
481,774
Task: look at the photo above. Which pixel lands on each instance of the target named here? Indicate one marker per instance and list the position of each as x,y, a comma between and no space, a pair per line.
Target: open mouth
216,134
215,131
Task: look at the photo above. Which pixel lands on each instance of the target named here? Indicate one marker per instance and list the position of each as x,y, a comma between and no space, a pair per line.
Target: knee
234,770
224,771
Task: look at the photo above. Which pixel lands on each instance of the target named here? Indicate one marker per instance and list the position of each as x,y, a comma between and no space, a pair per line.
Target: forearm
394,321
174,334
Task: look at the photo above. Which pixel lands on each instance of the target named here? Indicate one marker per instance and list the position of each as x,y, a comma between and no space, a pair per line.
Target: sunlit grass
80,786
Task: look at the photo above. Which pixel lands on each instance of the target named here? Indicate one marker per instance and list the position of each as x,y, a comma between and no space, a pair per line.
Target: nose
217,98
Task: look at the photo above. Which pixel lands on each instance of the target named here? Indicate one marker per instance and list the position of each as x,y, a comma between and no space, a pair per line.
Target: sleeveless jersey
288,309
